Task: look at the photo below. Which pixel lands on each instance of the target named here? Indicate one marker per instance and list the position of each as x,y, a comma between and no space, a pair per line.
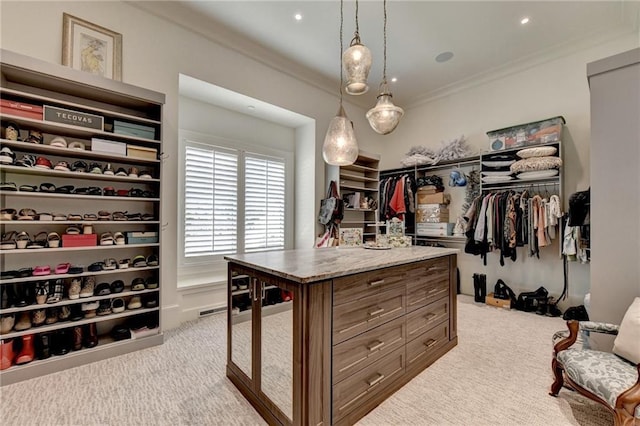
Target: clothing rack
519,186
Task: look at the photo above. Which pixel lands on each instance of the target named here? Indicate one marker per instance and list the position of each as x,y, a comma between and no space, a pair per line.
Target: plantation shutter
264,203
211,201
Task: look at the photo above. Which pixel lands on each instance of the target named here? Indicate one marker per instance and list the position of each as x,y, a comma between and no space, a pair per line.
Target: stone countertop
309,265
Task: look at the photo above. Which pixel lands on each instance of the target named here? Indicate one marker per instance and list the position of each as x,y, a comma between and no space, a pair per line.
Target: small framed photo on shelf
91,48
351,237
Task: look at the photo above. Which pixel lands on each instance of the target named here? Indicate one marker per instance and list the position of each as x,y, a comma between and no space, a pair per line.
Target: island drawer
427,317
359,352
431,270
360,315
423,292
352,287
367,383
421,349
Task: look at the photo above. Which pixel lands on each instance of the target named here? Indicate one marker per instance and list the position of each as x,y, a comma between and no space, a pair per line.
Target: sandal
96,266
8,186
53,240
95,169
45,216
35,136
8,241
147,217
123,264
90,216
72,230
79,166
63,268
62,166
47,187
118,237
76,269
74,216
134,216
22,239
104,215
106,239
39,241
110,264
139,261
27,214
28,188
43,163
120,216
42,270
27,160
59,217
145,174
77,145
109,191
135,192
66,189
122,192
152,260
7,214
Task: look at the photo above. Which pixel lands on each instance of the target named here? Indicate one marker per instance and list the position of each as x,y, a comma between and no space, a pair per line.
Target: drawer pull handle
413,302
378,345
378,282
376,380
430,316
429,343
435,268
376,312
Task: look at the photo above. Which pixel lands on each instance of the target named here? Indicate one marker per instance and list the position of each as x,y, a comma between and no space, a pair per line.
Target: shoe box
20,109
138,237
81,240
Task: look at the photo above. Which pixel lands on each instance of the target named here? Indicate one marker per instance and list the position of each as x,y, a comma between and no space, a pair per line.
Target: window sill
200,282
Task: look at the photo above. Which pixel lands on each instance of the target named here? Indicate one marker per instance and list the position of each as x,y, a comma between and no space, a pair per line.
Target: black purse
531,300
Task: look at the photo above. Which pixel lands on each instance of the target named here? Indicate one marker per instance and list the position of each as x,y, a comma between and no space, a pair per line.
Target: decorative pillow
536,163
627,343
540,174
498,163
496,179
539,151
496,173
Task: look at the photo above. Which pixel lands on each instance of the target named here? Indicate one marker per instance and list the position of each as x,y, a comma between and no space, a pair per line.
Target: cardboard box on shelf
108,147
81,240
142,152
132,129
138,237
429,213
500,303
437,198
441,229
20,109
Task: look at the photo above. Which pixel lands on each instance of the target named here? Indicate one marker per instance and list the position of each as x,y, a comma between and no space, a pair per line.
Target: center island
322,336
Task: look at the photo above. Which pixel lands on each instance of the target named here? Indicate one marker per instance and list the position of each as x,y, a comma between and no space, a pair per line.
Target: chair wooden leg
559,379
621,417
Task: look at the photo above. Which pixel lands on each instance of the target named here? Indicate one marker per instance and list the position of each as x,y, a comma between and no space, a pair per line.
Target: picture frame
350,237
91,48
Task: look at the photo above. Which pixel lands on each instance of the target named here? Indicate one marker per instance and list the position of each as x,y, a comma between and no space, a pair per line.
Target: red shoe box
82,240
20,109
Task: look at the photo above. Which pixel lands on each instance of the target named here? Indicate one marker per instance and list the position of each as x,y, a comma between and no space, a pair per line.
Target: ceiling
486,38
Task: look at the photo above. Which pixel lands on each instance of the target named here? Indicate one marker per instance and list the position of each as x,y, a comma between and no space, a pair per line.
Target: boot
482,284
43,345
61,342
27,353
90,335
476,288
6,353
77,338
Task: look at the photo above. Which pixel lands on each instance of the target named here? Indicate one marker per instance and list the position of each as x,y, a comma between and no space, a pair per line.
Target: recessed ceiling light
524,20
394,79
444,57
298,16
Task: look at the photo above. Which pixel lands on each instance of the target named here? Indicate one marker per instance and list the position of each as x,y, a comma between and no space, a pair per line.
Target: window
235,201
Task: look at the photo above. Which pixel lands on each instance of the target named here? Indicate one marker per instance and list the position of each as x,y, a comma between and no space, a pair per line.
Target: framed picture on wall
91,48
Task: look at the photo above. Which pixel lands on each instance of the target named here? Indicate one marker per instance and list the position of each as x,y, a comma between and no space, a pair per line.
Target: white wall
155,52
556,87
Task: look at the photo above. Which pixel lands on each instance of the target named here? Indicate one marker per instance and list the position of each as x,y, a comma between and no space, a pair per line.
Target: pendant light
340,147
385,116
356,61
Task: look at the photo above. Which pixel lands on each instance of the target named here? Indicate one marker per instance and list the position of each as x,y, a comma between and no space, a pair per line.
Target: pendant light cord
357,26
384,63
341,47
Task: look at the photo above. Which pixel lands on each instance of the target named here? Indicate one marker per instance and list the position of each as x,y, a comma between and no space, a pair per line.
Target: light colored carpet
499,374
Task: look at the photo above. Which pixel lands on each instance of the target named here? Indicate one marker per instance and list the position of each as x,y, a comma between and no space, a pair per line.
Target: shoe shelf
66,249
73,131
77,153
59,102
73,196
65,302
79,222
357,178
73,175
67,324
83,274
32,81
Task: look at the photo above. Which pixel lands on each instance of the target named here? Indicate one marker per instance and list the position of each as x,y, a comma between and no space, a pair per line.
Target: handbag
332,207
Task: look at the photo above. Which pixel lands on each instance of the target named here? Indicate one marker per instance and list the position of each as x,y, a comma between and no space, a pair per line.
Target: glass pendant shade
356,61
340,147
385,116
